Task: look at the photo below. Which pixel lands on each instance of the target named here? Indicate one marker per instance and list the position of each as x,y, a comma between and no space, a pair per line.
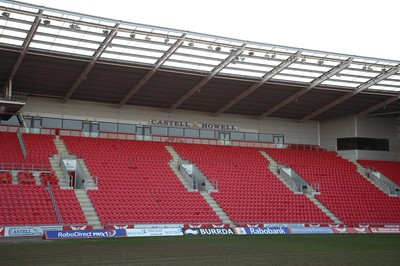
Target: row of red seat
134,176
244,180
390,169
343,189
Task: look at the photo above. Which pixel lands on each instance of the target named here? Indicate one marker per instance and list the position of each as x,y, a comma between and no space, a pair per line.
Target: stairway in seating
217,209
363,172
174,164
90,182
88,209
206,195
273,166
324,209
55,161
60,145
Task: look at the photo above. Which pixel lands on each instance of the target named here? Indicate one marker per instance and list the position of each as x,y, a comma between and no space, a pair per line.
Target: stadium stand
343,190
247,190
29,203
136,184
26,205
391,169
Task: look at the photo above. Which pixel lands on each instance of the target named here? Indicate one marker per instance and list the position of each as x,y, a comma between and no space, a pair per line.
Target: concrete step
217,209
87,208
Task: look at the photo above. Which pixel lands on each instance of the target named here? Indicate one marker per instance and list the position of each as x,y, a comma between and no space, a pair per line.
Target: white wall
295,132
367,127
383,128
336,128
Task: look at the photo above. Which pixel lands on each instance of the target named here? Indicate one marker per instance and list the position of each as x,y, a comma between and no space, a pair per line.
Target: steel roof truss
313,84
264,79
149,74
215,71
25,46
360,88
89,66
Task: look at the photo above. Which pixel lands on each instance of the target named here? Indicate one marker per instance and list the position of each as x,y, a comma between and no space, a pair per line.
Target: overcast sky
365,28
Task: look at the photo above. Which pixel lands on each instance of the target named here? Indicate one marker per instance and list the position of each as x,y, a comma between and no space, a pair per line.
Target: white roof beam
359,89
89,66
379,105
313,84
204,81
25,46
149,74
264,79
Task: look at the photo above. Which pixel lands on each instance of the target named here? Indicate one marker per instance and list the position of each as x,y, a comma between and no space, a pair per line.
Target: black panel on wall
369,144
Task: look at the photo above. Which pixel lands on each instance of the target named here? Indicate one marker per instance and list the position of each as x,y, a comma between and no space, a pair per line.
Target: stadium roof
55,53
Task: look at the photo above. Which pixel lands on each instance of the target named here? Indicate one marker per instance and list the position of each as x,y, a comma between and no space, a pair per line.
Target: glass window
193,133
208,134
126,128
163,131
37,122
72,124
13,121
108,127
175,132
28,121
51,122
266,137
251,136
237,136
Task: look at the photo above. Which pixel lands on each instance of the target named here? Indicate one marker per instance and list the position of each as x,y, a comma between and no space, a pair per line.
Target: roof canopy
31,29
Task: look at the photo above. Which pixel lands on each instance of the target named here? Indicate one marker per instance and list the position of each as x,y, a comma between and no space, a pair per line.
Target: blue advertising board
267,231
311,230
76,234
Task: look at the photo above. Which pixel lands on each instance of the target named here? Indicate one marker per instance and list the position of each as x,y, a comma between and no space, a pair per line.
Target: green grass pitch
208,250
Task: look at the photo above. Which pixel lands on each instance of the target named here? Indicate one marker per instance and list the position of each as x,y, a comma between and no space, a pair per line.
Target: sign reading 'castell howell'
188,124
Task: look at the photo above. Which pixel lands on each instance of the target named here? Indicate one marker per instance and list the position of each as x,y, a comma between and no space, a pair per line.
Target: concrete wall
295,132
367,127
383,128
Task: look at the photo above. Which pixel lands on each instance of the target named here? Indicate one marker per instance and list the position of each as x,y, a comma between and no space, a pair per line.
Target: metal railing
158,138
54,203
294,186
21,141
188,177
25,167
383,182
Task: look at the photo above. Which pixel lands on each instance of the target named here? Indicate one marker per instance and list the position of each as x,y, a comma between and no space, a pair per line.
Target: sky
367,28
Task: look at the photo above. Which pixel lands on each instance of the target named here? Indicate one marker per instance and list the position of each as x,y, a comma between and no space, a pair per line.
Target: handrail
188,177
25,167
382,181
293,184
21,142
54,203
